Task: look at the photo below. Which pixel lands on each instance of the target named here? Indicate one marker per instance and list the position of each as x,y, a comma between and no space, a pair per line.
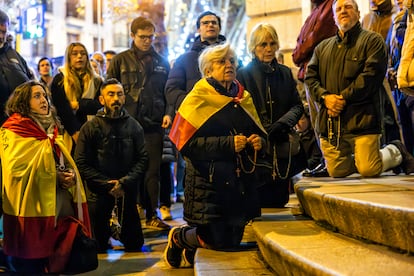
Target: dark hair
42,59
207,13
141,23
19,100
109,82
4,18
112,52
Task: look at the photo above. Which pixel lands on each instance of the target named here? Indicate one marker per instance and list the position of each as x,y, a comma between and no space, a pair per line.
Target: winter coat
395,40
185,73
74,119
380,20
217,187
353,67
169,152
284,105
319,25
13,72
111,148
405,75
143,76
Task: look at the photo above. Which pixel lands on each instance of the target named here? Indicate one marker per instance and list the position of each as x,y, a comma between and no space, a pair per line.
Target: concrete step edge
304,248
379,213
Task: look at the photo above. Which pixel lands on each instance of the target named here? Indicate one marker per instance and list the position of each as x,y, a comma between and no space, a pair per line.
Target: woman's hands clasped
241,141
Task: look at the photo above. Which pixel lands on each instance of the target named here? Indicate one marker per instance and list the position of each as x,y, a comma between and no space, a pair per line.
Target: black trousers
216,236
131,231
150,192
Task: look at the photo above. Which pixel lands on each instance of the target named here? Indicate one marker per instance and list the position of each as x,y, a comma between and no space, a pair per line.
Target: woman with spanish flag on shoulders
42,189
219,133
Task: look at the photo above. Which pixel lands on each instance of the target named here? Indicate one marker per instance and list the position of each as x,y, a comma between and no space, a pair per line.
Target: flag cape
202,103
29,188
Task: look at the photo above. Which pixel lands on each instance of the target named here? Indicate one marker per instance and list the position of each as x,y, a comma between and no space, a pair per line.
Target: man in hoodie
112,159
13,67
184,74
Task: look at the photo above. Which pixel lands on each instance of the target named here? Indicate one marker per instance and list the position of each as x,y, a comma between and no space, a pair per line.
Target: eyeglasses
212,22
145,37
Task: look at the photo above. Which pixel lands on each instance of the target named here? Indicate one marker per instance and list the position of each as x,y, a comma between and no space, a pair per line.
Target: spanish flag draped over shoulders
29,188
200,104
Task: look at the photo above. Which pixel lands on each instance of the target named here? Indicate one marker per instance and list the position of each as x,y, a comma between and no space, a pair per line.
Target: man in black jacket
111,158
13,68
143,74
344,76
184,73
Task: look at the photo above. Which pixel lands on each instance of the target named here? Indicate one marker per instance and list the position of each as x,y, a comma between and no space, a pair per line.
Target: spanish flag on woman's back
202,103
29,188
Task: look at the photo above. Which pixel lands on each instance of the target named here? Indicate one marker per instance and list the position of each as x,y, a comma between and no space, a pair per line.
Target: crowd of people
104,131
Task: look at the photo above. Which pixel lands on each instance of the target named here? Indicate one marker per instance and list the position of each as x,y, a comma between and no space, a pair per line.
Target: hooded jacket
379,20
185,73
111,148
218,188
13,72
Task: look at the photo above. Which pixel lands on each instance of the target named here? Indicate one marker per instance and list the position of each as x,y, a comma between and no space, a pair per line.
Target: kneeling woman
42,188
219,133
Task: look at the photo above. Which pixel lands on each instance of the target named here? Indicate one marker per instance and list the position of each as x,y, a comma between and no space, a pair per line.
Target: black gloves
278,132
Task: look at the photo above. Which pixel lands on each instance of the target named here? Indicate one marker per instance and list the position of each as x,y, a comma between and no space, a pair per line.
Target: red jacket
319,25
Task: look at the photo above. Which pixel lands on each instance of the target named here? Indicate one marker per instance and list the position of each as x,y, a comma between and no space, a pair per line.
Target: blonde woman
75,89
277,101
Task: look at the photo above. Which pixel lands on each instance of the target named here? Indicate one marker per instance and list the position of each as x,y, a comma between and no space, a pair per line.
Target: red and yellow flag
29,188
202,103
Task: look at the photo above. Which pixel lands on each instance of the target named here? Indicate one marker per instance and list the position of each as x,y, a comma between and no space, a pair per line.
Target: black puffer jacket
185,73
111,148
213,190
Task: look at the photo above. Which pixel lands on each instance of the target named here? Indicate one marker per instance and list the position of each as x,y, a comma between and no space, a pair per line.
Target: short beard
114,113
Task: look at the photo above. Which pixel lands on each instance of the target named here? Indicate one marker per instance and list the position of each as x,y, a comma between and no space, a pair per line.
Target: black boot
407,163
318,171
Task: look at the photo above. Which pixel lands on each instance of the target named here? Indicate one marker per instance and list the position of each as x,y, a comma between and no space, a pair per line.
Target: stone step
249,260
380,210
219,263
302,247
348,226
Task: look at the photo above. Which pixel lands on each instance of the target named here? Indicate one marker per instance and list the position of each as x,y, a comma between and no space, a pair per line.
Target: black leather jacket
143,76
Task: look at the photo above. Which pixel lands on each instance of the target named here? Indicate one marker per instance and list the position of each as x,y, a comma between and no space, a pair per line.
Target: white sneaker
165,213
